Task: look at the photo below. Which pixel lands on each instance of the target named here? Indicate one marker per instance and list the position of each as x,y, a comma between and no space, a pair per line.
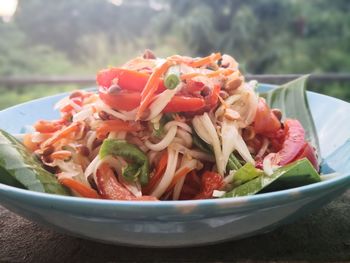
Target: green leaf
233,163
296,174
246,173
291,99
130,152
131,172
19,168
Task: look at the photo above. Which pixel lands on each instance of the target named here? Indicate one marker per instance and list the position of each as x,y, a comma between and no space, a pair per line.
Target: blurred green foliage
268,36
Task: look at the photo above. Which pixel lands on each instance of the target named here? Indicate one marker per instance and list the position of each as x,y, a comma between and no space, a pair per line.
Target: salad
178,128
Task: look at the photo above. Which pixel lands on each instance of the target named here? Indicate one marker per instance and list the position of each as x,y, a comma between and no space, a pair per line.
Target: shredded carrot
225,72
190,75
80,188
114,126
29,144
62,155
213,74
205,60
62,134
47,126
151,87
158,173
183,172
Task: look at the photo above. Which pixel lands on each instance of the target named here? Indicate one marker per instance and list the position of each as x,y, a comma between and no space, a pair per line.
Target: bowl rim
341,180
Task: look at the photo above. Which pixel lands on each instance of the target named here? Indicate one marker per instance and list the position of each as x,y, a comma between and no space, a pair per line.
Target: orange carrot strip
114,126
183,172
80,188
29,144
213,74
224,72
151,87
158,173
47,126
190,75
62,155
206,60
64,133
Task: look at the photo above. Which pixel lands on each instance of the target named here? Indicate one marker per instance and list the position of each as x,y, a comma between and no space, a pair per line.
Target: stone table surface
322,236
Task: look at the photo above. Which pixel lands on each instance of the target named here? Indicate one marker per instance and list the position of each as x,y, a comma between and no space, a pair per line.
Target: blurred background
52,46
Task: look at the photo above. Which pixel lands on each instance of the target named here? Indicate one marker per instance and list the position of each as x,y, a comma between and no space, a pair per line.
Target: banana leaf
291,99
296,174
19,168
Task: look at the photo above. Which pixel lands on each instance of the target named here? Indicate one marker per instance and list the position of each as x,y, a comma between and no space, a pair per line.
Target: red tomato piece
309,153
127,79
265,121
193,86
210,181
184,104
108,185
123,100
213,98
293,143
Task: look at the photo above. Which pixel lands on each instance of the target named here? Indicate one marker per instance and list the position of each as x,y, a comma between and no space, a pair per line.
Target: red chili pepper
265,121
126,79
210,181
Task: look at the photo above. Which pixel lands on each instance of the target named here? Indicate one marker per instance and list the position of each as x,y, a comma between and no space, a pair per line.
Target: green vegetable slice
172,77
233,162
246,173
138,170
296,174
291,99
19,168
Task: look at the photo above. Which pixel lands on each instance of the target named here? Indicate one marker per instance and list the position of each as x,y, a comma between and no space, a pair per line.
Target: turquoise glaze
184,223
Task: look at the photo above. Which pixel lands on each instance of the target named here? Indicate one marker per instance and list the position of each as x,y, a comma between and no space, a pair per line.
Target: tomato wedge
293,143
309,153
110,188
108,185
184,104
128,100
127,79
210,181
123,100
265,121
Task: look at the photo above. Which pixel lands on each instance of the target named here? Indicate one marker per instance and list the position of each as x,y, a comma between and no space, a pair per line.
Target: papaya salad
178,128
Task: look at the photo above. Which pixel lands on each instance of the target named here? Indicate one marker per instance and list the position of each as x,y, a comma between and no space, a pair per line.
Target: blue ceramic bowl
184,223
